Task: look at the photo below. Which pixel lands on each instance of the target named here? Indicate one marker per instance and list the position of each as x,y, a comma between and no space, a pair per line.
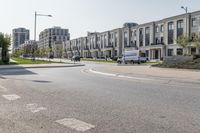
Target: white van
132,56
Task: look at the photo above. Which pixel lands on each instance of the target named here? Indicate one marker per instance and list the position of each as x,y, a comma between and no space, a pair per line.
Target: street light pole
186,13
35,25
35,28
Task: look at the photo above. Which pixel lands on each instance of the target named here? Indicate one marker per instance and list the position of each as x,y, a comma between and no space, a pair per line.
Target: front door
156,54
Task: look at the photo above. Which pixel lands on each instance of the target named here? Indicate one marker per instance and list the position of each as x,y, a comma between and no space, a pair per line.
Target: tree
183,41
42,52
196,42
5,44
38,53
59,51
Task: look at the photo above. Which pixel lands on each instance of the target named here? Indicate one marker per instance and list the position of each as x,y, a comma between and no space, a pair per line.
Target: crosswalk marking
11,97
34,108
3,89
75,124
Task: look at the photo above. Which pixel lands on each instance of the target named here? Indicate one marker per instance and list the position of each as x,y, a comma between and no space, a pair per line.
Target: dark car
51,56
76,58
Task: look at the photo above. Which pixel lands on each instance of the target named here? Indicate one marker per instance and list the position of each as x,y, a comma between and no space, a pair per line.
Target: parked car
51,56
101,57
131,56
76,58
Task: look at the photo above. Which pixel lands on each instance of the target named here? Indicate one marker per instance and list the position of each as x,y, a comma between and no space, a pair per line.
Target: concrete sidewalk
53,65
148,71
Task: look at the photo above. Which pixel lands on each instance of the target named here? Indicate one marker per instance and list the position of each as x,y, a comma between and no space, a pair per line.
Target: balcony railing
109,46
160,43
131,45
86,48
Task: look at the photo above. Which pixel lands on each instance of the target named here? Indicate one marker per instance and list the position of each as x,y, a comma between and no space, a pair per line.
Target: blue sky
80,16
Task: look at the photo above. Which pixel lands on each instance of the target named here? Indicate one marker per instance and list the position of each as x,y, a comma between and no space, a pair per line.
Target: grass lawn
98,60
19,61
151,63
195,64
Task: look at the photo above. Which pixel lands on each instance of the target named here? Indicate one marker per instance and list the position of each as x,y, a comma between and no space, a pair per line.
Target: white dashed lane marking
75,124
34,108
11,97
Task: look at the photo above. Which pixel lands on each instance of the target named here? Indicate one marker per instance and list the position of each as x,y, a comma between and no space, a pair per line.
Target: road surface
74,100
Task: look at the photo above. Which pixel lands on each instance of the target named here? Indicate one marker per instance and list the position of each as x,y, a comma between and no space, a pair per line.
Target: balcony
131,45
109,46
75,48
159,43
86,48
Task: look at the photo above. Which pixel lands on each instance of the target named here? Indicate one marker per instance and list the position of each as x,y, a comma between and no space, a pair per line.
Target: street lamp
186,12
44,15
35,28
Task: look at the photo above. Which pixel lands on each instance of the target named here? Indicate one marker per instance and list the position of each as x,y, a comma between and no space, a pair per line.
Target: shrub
196,56
115,58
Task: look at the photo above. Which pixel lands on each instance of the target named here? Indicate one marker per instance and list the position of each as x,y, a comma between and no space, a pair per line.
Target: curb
53,66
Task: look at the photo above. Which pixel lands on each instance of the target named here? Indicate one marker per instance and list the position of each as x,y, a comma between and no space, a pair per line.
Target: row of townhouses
155,39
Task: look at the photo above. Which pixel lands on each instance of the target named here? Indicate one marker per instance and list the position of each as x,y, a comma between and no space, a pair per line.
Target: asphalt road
73,100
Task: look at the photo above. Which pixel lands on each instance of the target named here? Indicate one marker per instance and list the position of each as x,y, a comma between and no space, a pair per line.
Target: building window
147,36
141,31
157,41
115,52
193,51
157,29
135,33
179,51
147,54
162,40
132,33
141,36
170,26
116,35
125,38
170,33
170,52
147,30
179,28
194,22
180,24
161,28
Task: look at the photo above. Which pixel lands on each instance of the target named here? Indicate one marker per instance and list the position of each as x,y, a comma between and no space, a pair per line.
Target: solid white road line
102,73
118,75
75,124
129,77
34,108
11,97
